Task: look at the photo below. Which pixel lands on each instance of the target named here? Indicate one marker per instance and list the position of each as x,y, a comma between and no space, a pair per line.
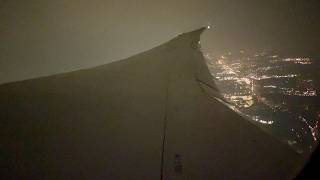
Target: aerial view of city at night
279,94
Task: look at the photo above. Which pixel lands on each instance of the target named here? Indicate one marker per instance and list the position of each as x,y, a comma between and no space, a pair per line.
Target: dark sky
43,37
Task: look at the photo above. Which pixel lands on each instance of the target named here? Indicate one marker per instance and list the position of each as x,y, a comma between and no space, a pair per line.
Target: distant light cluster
255,77
258,119
294,92
298,60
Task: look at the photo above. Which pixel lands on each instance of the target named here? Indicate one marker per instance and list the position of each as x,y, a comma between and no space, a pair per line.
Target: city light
261,87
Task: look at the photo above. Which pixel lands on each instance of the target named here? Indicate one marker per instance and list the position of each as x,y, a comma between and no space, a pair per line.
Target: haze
44,37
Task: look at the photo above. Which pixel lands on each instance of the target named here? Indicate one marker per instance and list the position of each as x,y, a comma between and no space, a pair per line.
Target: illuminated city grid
278,94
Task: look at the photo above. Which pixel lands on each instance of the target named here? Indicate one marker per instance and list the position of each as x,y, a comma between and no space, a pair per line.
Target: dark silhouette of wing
155,115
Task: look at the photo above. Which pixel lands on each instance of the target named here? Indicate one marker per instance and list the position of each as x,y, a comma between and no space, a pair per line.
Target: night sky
43,37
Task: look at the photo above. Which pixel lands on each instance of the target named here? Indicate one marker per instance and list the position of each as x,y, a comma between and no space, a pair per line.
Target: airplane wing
155,115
